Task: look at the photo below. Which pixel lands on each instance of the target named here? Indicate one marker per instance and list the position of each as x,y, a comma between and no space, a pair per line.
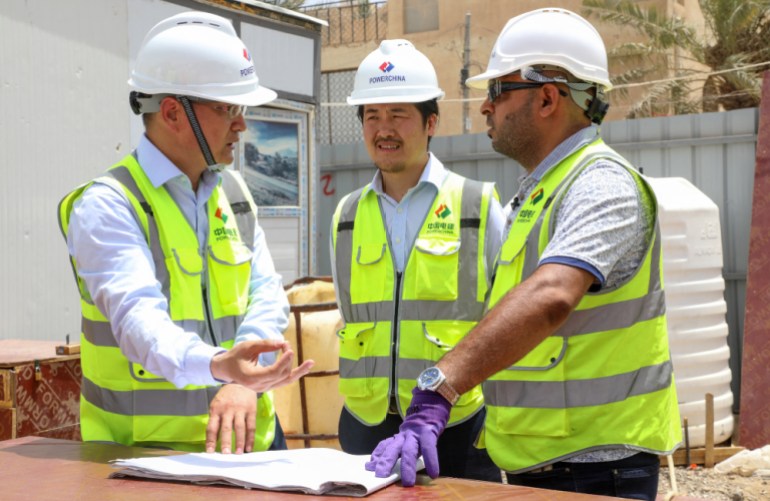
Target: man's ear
171,113
432,125
549,99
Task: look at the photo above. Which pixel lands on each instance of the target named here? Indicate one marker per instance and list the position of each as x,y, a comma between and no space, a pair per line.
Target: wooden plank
6,388
18,351
698,456
7,423
755,368
708,460
68,349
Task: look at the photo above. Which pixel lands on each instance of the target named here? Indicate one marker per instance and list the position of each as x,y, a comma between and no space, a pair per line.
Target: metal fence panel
350,21
337,124
714,151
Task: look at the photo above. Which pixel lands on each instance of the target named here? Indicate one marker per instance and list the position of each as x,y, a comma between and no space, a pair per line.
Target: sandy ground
707,483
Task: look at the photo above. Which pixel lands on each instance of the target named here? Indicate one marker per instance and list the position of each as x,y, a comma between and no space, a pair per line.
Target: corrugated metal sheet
714,151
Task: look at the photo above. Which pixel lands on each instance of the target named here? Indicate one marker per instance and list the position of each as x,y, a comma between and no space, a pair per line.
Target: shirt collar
576,141
434,173
163,169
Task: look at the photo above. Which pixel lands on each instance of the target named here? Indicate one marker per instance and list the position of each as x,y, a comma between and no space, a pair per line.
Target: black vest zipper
394,340
207,314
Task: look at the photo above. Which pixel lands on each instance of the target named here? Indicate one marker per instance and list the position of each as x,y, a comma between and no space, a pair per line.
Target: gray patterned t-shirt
603,225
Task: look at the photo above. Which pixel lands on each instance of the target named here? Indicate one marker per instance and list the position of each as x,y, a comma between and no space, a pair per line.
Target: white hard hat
197,54
395,73
546,38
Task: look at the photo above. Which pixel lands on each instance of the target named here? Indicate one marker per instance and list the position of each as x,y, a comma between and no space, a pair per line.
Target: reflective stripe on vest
441,295
123,402
604,378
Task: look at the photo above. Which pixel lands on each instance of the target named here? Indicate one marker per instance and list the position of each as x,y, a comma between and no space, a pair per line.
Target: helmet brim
395,97
481,81
254,97
260,96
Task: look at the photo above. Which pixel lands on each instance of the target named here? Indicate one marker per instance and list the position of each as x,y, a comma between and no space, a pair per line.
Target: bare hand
241,365
234,408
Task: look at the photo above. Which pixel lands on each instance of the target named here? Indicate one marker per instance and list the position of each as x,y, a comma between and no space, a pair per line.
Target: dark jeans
279,441
457,457
634,477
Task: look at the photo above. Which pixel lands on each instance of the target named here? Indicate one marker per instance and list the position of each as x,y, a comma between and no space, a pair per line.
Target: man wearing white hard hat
178,290
412,261
573,353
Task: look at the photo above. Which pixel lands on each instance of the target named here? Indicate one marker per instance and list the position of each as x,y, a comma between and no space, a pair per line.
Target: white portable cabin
65,118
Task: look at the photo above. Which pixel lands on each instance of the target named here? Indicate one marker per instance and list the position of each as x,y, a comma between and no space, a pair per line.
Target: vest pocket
356,364
139,373
230,267
434,263
535,403
548,355
185,266
369,268
442,336
531,422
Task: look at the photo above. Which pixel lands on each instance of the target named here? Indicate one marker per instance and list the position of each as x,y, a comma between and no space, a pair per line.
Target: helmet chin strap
196,127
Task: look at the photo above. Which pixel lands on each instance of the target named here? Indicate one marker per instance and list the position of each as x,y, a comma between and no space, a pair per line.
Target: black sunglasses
497,87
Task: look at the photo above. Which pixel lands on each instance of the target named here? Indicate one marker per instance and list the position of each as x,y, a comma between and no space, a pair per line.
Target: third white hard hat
395,73
548,37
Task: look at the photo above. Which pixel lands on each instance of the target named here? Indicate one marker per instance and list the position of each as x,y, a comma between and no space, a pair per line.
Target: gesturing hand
241,365
425,420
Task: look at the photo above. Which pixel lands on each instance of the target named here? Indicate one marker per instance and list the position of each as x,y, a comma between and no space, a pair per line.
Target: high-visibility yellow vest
397,326
123,402
603,379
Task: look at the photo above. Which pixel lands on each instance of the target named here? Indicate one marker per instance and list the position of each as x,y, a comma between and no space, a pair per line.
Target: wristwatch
434,380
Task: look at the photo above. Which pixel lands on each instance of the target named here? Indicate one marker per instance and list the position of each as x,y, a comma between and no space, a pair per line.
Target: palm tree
726,61
287,4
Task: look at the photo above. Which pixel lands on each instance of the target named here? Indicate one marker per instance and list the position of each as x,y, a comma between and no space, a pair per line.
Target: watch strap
445,390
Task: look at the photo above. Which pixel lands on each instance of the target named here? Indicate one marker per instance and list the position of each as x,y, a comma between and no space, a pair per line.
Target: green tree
732,54
287,4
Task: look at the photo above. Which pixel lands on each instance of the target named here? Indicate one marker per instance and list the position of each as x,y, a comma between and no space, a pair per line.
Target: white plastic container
695,305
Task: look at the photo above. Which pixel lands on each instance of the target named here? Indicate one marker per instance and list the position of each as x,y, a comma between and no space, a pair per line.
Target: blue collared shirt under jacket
116,264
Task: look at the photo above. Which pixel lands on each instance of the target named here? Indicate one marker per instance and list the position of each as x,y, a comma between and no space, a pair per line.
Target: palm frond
663,31
658,101
736,38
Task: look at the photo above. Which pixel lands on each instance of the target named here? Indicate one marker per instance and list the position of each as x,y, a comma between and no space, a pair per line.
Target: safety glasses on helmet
497,87
231,110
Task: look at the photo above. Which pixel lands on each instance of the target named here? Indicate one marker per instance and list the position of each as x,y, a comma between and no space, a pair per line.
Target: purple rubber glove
425,419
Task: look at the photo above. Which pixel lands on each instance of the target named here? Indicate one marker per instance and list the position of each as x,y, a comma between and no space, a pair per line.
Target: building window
420,15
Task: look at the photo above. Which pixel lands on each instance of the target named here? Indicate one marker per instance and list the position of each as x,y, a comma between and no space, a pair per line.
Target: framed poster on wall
274,159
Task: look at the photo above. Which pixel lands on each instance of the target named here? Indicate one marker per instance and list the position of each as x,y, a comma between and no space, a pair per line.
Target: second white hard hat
198,54
548,37
395,73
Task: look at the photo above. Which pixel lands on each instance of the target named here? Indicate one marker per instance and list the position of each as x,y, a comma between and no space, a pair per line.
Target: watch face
429,378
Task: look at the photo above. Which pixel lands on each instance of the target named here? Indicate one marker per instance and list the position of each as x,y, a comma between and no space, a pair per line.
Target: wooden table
40,468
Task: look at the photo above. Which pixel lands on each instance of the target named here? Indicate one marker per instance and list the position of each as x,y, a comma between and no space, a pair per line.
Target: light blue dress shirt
116,264
404,219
